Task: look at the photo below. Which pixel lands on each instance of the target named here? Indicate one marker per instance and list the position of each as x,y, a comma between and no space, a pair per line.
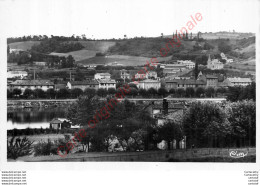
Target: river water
33,117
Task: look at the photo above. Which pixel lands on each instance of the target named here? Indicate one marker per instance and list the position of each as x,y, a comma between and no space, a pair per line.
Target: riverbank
178,155
21,103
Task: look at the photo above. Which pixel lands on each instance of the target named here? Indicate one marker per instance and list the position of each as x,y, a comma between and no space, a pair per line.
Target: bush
18,147
45,148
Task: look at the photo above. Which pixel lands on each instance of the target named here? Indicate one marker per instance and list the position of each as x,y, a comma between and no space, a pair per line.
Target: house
40,63
107,83
151,75
238,81
94,84
179,83
168,111
102,76
212,81
31,84
170,69
147,75
59,123
188,63
214,64
17,74
149,83
124,74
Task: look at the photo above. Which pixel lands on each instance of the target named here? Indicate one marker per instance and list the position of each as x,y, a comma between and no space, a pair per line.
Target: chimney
165,106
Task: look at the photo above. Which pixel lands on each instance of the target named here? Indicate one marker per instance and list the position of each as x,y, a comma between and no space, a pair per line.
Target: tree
39,93
200,92
196,70
142,92
50,93
17,92
90,92
224,47
28,92
208,46
180,92
170,131
152,91
75,93
190,92
102,92
242,116
210,91
8,49
111,91
206,125
133,92
63,93
233,93
221,90
172,91
162,92
9,94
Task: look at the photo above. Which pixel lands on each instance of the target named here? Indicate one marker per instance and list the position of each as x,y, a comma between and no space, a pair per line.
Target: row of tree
232,93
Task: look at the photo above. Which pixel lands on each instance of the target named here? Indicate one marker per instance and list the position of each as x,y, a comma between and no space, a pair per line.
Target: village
51,99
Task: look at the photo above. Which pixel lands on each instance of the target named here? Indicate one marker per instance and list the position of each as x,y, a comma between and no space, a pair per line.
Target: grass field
125,60
78,55
100,46
23,45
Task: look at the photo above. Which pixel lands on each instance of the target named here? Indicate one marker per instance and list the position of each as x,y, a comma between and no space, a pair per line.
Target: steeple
209,59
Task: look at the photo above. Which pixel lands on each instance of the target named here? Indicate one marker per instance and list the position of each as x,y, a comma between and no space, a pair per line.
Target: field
124,60
23,45
78,55
101,46
244,65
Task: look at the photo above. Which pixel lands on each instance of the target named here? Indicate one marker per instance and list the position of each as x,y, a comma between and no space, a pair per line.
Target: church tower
209,62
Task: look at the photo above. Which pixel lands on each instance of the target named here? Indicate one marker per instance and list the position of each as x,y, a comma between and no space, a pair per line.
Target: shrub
18,147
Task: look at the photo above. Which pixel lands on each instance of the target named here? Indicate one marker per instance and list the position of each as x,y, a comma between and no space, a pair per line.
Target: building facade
93,84
188,63
148,83
107,83
17,74
102,76
124,74
214,64
31,84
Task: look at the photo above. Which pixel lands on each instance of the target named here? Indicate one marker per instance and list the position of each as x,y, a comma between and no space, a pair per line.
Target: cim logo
237,154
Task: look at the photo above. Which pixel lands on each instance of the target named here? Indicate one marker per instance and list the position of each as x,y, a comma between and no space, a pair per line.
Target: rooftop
103,74
186,81
107,81
236,79
86,82
32,82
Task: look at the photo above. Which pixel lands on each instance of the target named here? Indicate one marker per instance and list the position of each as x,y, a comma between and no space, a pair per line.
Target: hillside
26,45
78,55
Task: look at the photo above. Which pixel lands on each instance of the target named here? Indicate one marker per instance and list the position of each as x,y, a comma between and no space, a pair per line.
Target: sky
104,19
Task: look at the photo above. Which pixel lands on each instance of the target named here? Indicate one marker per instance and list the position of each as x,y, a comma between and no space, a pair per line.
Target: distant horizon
80,35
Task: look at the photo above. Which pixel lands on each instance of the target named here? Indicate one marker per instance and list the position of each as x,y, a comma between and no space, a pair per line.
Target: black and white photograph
165,82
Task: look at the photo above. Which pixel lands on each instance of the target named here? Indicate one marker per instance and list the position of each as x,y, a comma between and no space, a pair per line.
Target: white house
31,84
17,74
188,63
107,83
102,76
238,81
148,83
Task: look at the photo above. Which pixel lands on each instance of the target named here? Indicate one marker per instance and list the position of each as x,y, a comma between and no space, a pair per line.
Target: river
33,117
